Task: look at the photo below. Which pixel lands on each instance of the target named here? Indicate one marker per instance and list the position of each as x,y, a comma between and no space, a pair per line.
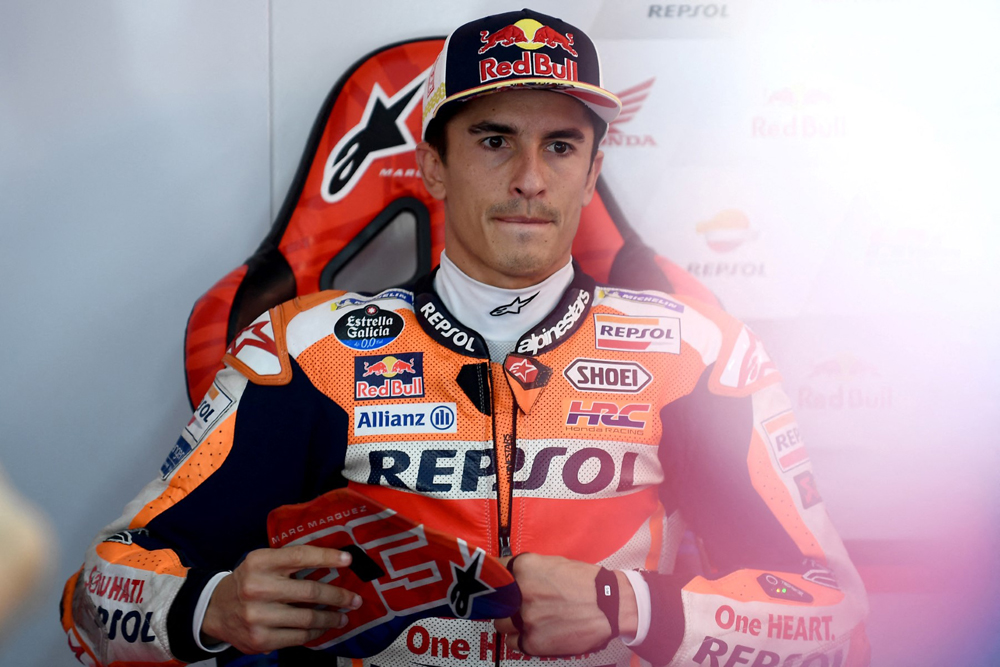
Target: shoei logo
381,132
403,419
617,377
527,34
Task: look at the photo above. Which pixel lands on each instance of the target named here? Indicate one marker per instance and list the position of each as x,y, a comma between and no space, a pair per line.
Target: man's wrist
640,596
628,613
203,639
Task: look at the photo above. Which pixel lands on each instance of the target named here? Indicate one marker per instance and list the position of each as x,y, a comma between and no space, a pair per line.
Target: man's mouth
522,220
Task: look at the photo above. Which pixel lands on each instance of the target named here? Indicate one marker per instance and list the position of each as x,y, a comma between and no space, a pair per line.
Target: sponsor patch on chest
368,328
404,419
637,333
400,376
603,375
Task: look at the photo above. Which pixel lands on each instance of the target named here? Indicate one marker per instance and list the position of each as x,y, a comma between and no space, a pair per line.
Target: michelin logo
405,419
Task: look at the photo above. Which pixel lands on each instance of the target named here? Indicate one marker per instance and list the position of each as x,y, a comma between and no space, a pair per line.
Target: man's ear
431,169
595,171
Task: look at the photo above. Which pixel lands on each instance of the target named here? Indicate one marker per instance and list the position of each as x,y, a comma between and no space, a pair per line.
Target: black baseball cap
522,49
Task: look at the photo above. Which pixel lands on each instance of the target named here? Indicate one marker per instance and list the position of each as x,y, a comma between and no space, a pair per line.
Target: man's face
517,174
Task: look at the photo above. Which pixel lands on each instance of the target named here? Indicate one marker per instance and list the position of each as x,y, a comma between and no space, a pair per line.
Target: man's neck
499,314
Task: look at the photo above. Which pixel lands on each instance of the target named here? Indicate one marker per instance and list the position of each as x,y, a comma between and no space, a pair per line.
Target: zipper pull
505,546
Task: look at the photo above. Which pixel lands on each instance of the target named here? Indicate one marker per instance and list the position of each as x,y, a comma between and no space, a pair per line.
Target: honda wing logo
381,132
632,100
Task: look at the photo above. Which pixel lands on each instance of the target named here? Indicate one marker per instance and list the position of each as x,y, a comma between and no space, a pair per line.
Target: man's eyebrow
491,127
567,133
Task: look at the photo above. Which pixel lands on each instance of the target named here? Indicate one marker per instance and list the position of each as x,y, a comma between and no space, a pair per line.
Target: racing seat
357,215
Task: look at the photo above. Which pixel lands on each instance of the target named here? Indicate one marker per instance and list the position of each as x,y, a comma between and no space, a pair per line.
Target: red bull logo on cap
389,376
527,34
530,35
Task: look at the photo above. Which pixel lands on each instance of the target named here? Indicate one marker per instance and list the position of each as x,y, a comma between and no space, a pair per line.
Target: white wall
145,147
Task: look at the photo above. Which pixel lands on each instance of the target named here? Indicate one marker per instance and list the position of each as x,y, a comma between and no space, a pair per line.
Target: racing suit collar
499,314
555,328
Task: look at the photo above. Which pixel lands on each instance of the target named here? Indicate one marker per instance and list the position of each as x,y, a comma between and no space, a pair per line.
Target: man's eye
560,147
494,142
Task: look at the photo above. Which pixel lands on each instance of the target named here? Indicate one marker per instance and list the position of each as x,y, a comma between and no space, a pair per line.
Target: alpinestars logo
257,334
524,369
512,308
381,132
466,585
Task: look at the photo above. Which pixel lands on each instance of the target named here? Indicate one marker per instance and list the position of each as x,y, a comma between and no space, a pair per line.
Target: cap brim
606,105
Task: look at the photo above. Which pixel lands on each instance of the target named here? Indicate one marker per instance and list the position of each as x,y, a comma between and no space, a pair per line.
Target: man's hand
258,608
559,613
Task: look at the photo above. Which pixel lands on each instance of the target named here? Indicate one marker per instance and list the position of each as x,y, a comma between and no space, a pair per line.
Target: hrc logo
605,415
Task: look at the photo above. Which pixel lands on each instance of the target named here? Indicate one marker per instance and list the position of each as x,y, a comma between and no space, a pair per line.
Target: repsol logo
132,626
547,471
714,652
449,331
637,333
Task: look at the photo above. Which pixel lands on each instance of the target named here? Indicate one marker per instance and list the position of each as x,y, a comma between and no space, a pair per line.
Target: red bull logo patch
529,35
400,376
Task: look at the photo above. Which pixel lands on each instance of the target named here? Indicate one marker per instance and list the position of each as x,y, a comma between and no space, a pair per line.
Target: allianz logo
403,419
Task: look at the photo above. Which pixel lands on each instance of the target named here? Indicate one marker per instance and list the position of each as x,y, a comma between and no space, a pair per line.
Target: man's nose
528,179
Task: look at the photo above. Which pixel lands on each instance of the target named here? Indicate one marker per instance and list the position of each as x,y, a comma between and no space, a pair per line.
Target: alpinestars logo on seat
381,132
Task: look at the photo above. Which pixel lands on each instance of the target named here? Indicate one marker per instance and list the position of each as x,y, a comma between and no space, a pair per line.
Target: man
579,427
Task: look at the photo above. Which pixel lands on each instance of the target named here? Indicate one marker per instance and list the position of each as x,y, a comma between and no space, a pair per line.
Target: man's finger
301,618
292,559
306,556
305,591
270,586
276,616
514,642
504,626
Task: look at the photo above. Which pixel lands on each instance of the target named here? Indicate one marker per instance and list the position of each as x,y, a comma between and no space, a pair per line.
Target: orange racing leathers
619,422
